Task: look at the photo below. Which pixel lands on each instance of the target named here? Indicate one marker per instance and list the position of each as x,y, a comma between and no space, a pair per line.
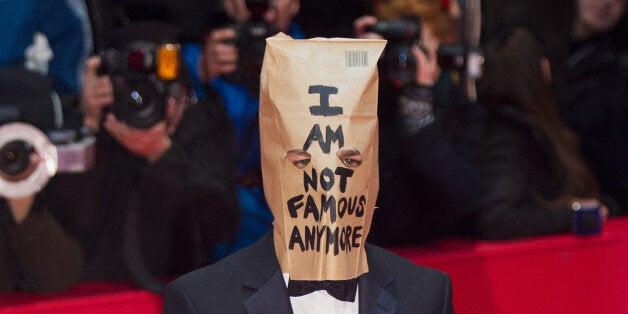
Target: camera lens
15,157
400,65
140,104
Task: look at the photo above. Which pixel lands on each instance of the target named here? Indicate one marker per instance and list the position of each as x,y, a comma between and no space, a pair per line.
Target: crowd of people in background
546,131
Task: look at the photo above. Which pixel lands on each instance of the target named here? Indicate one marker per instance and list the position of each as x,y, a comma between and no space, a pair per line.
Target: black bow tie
343,290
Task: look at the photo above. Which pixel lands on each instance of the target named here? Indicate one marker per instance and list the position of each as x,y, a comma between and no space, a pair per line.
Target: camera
30,156
399,65
251,42
145,68
450,57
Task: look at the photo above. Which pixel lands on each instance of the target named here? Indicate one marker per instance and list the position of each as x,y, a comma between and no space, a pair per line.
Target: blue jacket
64,22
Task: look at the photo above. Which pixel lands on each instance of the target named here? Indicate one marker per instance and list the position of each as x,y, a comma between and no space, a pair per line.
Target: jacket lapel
374,298
263,277
272,297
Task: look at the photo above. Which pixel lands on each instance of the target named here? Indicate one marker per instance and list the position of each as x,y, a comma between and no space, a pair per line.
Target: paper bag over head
319,140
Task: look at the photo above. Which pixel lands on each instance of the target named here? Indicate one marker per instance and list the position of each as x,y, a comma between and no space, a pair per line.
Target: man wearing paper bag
318,124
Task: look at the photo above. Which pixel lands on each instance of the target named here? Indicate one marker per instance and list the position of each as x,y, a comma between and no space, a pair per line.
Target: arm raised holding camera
423,48
97,94
170,173
430,132
149,143
219,56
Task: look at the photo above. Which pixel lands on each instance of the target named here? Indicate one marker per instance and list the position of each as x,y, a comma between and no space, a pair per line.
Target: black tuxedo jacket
250,281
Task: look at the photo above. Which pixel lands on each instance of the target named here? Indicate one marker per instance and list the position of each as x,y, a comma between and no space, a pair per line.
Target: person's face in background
597,16
280,12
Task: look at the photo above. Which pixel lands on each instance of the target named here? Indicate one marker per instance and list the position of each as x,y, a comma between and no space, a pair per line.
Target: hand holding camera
427,68
37,139
220,56
362,26
149,143
410,55
235,50
139,85
97,94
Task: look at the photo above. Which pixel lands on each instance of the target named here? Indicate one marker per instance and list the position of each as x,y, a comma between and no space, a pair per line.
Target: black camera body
399,64
144,65
451,57
251,42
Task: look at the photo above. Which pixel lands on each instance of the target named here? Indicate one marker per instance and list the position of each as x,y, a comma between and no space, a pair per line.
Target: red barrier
555,274
93,297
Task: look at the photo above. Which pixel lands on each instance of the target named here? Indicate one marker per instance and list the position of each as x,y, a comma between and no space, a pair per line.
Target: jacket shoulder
417,288
406,275
218,274
212,289
392,264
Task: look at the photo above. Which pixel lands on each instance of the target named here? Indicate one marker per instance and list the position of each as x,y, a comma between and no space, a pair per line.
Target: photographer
595,97
43,45
233,71
537,182
161,195
430,133
36,253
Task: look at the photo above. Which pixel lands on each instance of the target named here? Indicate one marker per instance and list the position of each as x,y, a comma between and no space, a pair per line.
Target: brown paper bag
318,106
